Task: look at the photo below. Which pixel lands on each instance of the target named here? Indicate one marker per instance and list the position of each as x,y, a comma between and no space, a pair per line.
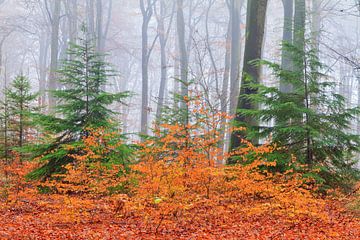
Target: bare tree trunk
147,12
72,12
163,37
55,24
44,47
90,18
315,23
256,15
99,26
299,24
236,6
286,62
225,84
184,61
177,76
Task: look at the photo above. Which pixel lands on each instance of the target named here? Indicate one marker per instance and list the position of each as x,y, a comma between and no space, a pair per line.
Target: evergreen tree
82,104
312,122
21,106
17,107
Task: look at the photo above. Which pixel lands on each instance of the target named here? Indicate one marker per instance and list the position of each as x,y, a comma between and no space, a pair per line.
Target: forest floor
35,216
242,204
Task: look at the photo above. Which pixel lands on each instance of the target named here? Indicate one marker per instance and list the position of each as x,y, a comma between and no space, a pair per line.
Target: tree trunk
315,23
55,24
286,62
147,12
163,37
184,64
99,27
225,85
256,15
299,24
90,12
235,17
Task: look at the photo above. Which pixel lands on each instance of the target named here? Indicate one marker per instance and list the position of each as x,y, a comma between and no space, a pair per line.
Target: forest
179,119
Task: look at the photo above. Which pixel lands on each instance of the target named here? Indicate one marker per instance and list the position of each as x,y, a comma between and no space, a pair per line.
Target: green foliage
311,122
16,110
82,103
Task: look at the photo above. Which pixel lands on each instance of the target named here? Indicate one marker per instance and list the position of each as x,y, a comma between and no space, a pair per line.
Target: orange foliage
179,191
87,173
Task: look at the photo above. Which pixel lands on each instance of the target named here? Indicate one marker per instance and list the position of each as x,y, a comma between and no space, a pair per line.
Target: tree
55,24
184,60
21,100
235,19
287,38
311,123
256,14
16,109
82,104
163,39
147,12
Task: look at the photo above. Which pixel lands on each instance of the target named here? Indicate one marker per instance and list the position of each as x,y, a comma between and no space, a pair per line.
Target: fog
27,43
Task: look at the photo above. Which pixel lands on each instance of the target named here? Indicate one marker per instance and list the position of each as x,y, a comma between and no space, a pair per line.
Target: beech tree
256,14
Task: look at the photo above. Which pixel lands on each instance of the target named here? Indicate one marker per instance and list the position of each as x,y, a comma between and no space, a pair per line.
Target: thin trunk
163,37
315,23
147,12
90,18
184,64
99,26
44,47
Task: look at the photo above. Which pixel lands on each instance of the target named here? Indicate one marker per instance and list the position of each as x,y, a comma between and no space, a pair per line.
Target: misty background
140,40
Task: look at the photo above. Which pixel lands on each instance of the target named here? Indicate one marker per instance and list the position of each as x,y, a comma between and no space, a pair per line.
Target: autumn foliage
176,188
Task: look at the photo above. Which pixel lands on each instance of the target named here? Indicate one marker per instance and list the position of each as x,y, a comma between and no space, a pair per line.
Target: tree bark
235,17
184,61
55,24
286,62
147,12
163,37
256,15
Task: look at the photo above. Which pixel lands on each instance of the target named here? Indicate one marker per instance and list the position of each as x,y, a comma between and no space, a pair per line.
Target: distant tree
163,40
287,38
55,25
16,110
184,59
21,105
82,104
147,10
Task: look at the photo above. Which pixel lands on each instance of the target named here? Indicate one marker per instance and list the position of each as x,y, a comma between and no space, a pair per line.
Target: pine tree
21,105
82,104
17,107
312,122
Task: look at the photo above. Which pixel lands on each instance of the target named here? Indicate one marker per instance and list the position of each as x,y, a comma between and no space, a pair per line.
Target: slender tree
163,39
184,60
147,12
